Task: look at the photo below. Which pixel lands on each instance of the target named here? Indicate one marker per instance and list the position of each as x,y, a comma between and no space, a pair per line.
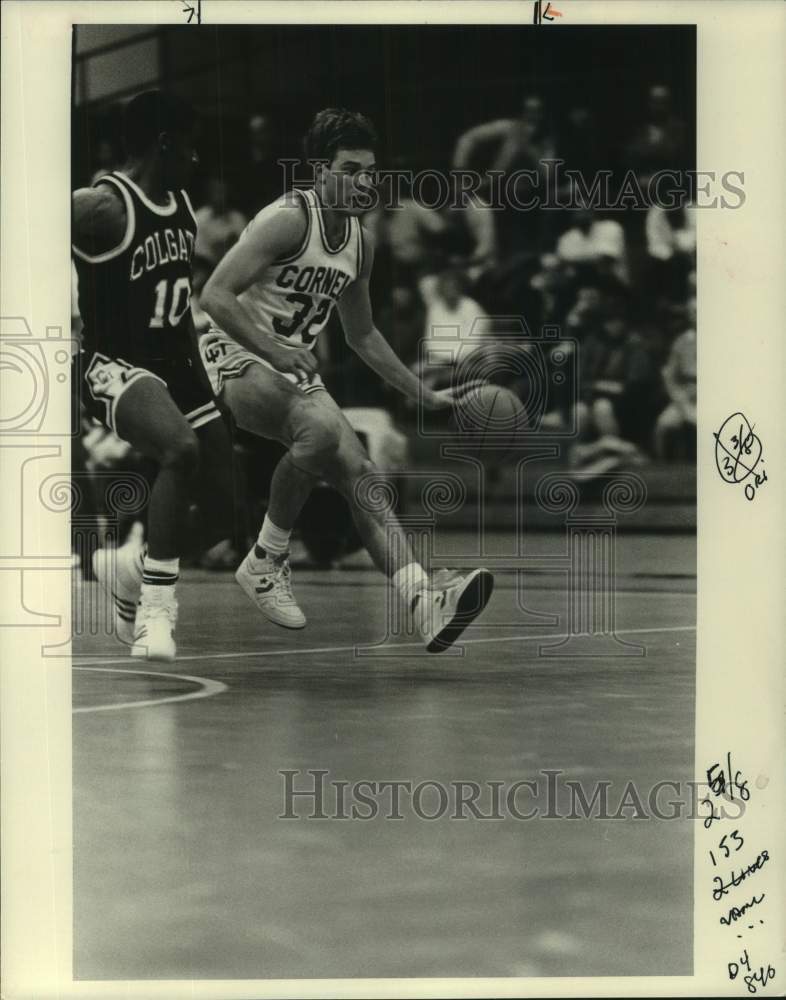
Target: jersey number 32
303,319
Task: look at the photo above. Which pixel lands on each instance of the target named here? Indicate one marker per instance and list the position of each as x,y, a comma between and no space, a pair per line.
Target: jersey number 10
178,302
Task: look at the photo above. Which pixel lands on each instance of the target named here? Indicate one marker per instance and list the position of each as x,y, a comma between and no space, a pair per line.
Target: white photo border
741,544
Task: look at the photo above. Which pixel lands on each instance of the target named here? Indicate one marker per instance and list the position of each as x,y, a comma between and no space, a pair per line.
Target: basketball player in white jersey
269,298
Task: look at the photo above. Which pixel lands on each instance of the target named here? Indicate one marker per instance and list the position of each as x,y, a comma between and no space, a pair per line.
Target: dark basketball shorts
104,380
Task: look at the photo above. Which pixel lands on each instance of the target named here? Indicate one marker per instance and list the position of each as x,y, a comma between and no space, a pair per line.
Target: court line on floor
207,688
500,584
247,654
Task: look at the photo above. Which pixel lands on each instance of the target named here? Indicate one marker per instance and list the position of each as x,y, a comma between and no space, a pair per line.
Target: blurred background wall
422,85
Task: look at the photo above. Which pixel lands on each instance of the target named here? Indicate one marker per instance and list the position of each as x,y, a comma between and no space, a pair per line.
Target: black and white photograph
381,446
390,351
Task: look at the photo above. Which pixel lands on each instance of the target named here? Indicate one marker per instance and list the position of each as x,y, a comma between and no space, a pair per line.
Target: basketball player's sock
272,540
409,581
159,577
156,617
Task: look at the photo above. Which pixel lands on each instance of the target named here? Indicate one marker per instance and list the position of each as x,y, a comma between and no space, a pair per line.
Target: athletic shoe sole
474,598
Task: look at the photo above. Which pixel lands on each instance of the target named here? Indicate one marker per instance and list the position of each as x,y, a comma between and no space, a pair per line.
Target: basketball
490,420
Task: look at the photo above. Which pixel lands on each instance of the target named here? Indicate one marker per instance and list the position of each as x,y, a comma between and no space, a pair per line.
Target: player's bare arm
275,232
367,341
479,135
99,220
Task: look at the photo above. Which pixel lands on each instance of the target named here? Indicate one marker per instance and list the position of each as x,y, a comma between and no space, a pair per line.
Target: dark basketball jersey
134,300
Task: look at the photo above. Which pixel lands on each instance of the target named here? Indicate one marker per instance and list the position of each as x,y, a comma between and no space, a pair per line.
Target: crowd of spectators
619,283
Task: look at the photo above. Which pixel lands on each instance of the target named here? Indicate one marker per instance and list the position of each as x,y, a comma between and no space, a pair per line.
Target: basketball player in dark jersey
133,240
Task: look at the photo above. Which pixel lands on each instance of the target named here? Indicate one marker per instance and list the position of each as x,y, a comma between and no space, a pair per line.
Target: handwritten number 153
735,837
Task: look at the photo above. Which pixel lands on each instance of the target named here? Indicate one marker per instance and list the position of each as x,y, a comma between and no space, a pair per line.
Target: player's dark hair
336,128
149,114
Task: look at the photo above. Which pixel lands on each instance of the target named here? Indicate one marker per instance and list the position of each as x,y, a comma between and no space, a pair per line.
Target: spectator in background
579,145
582,320
552,285
671,249
402,320
616,387
414,236
671,232
422,241
660,142
594,246
261,179
586,315
448,306
451,317
508,145
472,237
260,138
218,225
679,377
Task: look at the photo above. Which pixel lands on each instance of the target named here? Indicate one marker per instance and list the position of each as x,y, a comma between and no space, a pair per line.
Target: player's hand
444,399
298,361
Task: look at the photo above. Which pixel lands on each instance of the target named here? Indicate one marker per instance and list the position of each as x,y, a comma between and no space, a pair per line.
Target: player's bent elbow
356,340
210,299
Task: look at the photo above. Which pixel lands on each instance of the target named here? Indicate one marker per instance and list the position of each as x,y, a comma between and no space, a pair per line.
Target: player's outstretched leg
442,607
149,420
266,404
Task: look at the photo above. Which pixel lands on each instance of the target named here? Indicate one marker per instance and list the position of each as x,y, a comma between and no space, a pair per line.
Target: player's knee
182,452
329,438
316,445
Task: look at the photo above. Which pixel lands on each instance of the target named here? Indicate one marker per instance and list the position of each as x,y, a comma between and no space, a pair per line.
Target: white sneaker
442,613
119,571
154,634
268,584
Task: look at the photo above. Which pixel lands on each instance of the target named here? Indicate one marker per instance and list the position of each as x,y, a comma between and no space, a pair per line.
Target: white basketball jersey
296,294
